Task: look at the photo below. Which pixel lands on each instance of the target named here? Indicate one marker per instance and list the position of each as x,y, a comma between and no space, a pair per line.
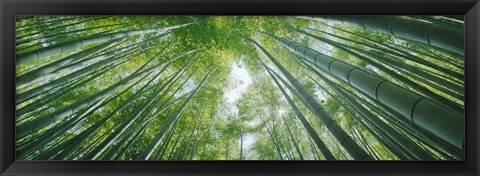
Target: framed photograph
239,87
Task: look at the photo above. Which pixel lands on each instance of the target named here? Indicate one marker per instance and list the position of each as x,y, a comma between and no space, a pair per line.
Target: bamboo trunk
417,31
440,120
38,123
347,142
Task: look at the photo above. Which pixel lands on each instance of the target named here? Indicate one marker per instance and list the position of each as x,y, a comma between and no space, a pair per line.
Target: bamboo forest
240,88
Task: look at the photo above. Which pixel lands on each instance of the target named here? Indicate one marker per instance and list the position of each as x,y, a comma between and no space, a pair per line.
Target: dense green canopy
239,88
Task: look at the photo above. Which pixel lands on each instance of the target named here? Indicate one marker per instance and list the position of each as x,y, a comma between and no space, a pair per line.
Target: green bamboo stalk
38,123
279,142
440,120
374,130
194,150
313,134
293,140
398,120
97,152
456,25
395,75
43,71
166,143
80,139
150,148
275,144
37,105
84,135
313,149
57,27
24,96
179,149
208,137
33,39
177,139
347,142
34,145
190,138
391,50
428,34
28,57
297,94
398,49
50,134
405,142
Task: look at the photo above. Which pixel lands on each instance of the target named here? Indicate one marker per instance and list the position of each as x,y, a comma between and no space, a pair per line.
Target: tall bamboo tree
347,142
429,34
442,121
175,117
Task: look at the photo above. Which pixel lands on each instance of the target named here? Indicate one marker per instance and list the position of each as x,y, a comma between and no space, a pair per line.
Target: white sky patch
239,79
320,95
281,112
187,87
248,140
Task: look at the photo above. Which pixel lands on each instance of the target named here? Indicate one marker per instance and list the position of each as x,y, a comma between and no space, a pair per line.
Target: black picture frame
10,8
